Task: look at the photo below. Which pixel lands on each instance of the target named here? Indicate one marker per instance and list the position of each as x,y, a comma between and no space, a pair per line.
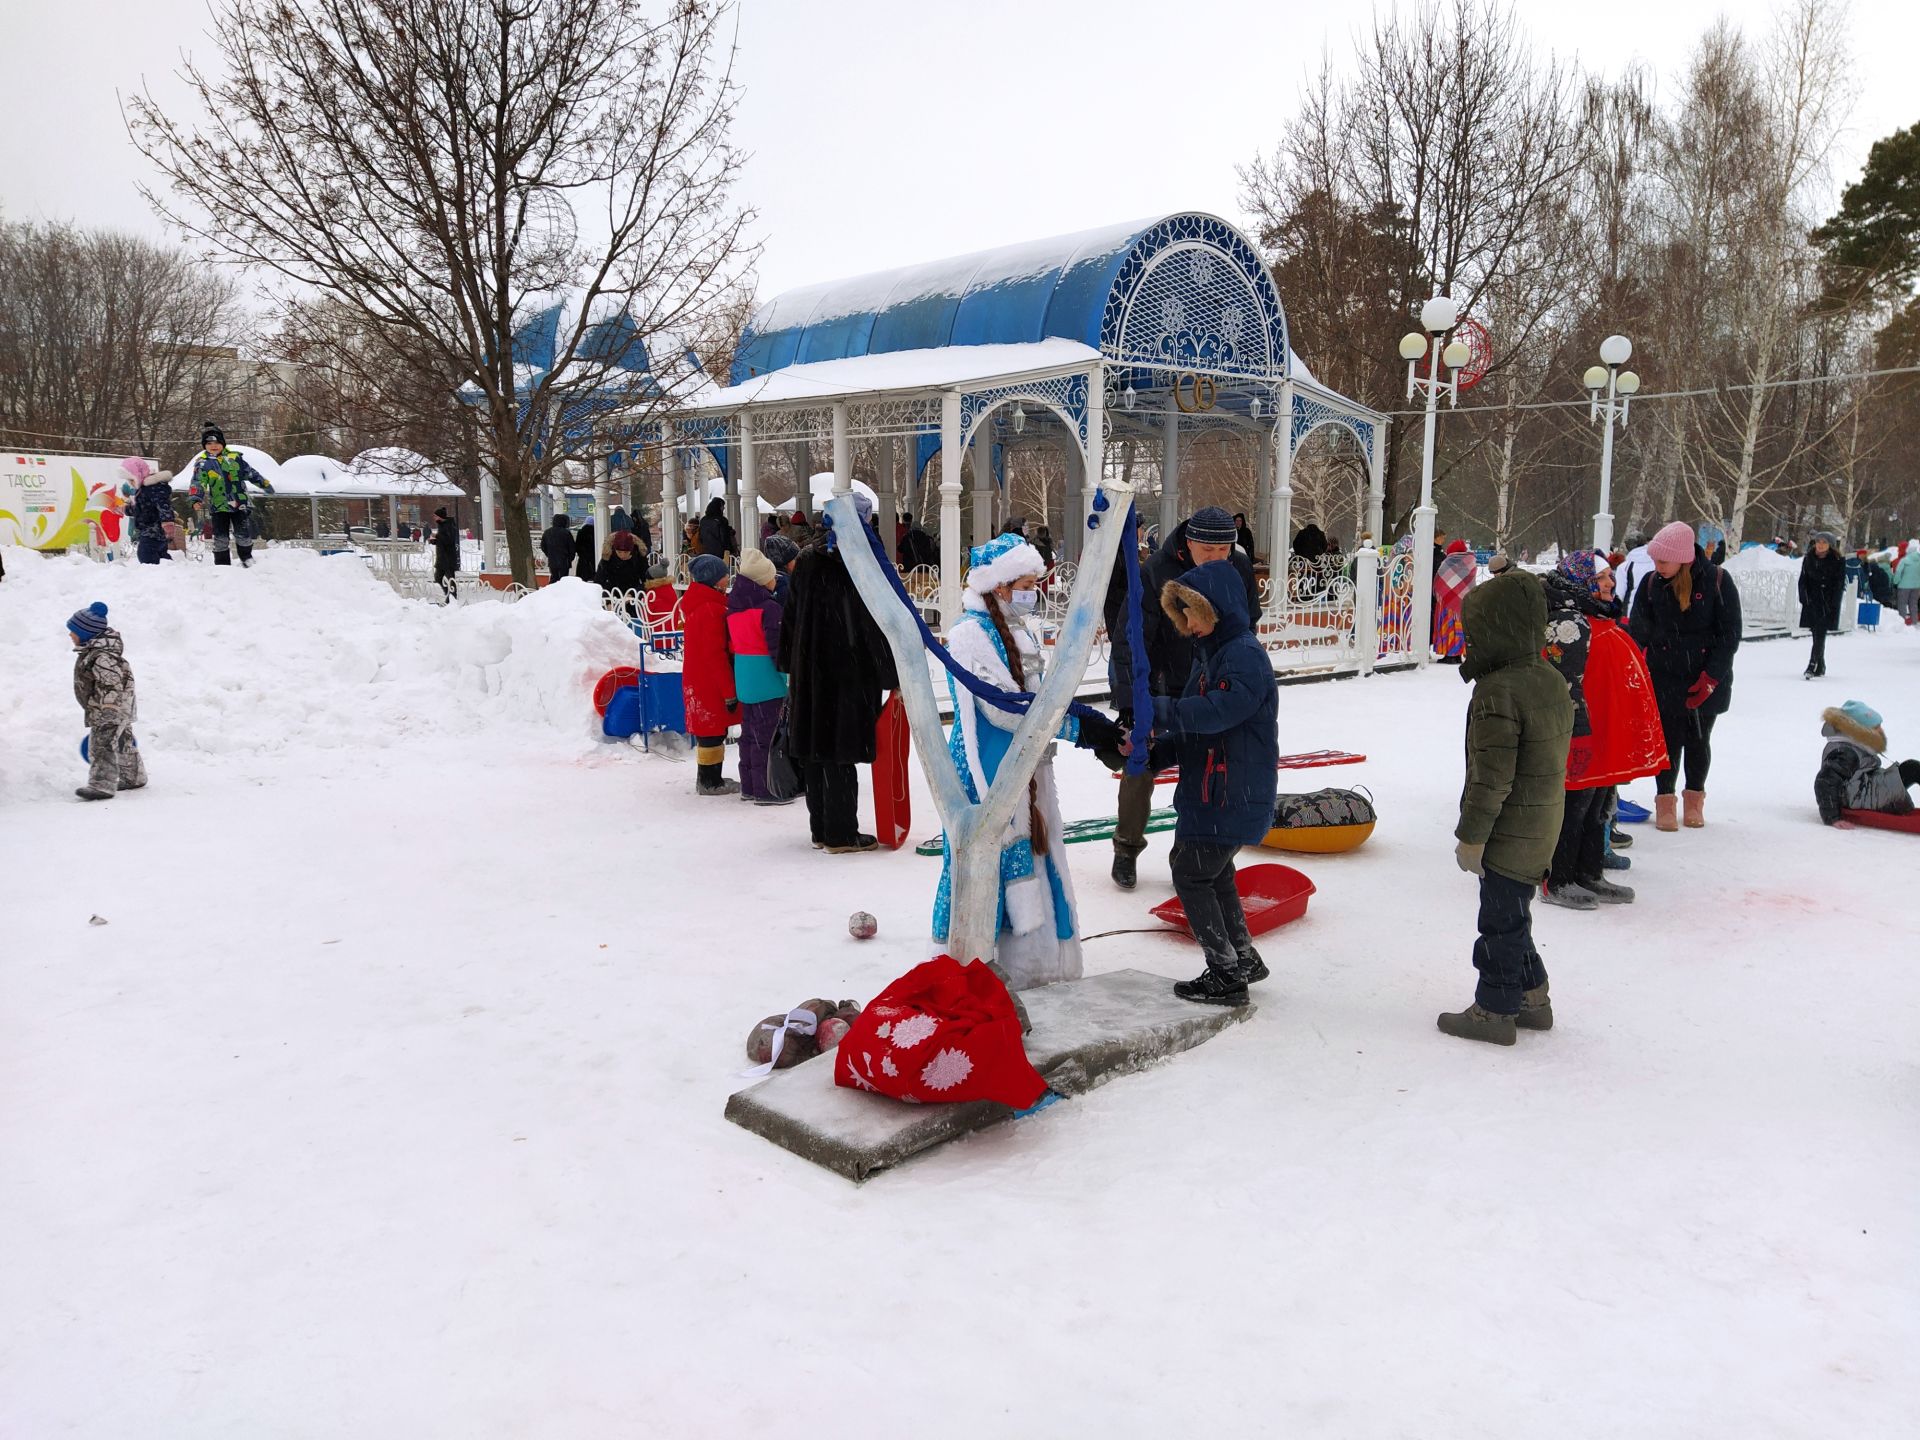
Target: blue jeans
1504,953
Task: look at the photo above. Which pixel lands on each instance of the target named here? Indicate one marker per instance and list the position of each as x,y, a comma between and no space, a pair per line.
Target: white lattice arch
1192,308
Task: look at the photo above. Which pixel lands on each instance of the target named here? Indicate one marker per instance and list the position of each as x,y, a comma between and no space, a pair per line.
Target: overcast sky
885,132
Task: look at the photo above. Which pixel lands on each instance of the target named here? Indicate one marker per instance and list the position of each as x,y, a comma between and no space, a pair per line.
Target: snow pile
1760,559
300,652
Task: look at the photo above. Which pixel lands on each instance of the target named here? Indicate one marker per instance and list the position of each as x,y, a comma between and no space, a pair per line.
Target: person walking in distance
220,481
446,552
556,543
1823,583
1686,618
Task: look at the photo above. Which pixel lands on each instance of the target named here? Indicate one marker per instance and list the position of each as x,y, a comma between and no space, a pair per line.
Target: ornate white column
1377,484
1169,470
950,550
888,517
1280,511
1073,524
749,486
983,526
672,463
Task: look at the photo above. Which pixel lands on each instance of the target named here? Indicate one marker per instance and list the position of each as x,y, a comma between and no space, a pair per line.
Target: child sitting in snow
1853,775
103,684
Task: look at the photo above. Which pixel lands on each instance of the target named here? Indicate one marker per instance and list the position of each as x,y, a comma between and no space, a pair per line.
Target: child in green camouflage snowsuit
103,684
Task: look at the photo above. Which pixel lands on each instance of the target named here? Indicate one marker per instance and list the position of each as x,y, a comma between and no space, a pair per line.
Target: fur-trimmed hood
1213,592
1840,725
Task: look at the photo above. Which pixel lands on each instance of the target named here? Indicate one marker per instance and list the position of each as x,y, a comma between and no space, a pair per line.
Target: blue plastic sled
83,748
1628,813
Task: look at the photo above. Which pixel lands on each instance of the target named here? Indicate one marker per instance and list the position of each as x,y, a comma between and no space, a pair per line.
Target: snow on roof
897,370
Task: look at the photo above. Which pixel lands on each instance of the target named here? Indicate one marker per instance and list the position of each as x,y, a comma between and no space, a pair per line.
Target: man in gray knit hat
1205,536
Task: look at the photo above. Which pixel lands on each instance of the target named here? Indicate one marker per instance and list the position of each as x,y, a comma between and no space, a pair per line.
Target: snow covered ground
388,1102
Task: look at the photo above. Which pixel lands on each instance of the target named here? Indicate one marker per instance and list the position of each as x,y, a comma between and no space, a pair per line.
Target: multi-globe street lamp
1620,387
1437,317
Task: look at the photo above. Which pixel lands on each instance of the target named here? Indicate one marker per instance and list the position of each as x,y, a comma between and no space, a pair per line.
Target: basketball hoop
1479,343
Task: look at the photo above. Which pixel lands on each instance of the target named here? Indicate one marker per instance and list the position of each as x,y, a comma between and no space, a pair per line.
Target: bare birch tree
444,169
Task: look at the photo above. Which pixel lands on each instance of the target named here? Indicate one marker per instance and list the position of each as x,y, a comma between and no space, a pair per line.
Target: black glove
732,705
1103,737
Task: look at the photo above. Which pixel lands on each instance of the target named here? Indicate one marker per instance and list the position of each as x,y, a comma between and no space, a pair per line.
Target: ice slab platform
1085,1033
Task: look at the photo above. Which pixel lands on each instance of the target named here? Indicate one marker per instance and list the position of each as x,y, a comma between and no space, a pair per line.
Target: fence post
1366,607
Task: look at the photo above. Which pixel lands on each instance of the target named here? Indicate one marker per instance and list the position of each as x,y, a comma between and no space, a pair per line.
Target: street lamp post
1621,386
1437,317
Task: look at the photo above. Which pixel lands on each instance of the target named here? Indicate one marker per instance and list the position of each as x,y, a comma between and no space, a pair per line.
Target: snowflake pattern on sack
915,1028
887,1067
947,1069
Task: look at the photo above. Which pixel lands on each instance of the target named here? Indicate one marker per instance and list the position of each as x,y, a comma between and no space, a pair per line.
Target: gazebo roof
1181,291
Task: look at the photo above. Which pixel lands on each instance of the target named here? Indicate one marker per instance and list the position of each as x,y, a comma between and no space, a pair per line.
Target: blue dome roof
1181,291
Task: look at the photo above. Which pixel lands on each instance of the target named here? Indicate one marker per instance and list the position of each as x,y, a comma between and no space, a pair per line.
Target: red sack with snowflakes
942,1031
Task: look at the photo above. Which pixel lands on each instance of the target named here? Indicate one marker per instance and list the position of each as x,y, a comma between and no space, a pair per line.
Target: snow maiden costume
1037,937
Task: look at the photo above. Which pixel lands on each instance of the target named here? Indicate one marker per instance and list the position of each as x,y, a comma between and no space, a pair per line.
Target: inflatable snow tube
1325,822
1318,839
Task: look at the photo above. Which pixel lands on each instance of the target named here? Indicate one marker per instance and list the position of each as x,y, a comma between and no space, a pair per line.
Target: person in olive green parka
1518,725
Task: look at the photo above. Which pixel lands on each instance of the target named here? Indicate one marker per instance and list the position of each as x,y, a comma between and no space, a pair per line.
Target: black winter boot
1536,1009
1252,968
1213,987
1125,873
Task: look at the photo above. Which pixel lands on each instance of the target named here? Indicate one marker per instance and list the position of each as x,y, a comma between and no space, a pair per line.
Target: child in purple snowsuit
753,634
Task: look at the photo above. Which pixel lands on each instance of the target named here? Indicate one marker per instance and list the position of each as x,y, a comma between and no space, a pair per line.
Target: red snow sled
1305,760
1876,820
611,681
892,750
1270,894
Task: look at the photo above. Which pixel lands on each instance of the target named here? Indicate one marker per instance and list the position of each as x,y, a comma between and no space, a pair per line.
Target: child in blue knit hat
103,684
1854,774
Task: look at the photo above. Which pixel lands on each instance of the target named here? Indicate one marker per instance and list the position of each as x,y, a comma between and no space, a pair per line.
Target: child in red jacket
707,672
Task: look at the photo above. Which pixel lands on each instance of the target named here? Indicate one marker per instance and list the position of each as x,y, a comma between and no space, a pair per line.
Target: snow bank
1760,559
300,652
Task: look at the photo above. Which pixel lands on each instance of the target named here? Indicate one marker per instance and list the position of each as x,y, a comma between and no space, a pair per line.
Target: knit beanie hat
87,623
210,431
1457,547
1672,543
780,551
136,468
1861,714
657,570
707,570
758,568
1212,526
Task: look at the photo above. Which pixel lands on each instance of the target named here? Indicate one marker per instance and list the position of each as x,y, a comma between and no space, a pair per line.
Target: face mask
1025,599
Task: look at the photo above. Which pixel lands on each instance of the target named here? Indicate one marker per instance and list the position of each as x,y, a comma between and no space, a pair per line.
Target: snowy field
388,1102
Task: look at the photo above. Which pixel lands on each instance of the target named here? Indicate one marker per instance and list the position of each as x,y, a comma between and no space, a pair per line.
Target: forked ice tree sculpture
976,832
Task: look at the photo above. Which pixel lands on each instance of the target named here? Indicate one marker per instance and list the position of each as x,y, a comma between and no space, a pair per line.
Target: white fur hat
1001,561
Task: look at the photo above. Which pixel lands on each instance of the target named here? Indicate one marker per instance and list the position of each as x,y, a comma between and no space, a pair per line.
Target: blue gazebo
1153,331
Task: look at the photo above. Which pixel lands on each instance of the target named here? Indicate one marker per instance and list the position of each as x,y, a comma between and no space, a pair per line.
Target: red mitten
1702,688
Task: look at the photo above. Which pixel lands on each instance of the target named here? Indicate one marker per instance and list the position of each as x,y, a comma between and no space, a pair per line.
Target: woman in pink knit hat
1687,620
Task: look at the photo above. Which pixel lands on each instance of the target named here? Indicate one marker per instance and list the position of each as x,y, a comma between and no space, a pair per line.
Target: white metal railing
1307,614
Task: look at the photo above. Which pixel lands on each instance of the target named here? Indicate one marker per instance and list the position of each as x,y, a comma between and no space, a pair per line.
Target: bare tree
108,341
442,170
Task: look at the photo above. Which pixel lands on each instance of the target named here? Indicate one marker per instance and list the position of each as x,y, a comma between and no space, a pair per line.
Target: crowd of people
1606,669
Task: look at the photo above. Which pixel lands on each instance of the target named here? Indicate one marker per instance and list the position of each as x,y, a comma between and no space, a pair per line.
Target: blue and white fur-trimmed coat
1038,939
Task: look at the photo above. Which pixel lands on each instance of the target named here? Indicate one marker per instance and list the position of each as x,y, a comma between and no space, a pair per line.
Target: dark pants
758,722
1504,953
1581,852
1203,879
448,585
152,548
833,802
1818,659
232,527
1136,805
1689,746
